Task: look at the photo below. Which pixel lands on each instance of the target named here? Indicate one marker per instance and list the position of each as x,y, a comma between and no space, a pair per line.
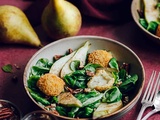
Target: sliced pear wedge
151,11
67,99
57,66
80,55
105,109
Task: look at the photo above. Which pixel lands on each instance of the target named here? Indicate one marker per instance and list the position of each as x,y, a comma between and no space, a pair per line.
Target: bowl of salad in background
145,13
85,77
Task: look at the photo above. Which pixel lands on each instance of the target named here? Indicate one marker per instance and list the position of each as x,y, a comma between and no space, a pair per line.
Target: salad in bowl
82,83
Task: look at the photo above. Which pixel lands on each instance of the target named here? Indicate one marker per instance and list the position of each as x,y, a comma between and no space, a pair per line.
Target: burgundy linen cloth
103,14
110,10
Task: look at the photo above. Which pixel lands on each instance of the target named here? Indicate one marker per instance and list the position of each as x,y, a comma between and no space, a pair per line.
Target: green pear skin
61,19
15,27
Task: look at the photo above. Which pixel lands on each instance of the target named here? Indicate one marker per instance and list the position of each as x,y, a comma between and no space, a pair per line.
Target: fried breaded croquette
50,84
101,57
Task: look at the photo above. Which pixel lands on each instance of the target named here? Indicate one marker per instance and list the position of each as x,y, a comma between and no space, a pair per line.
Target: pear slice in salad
151,11
105,109
67,99
80,55
57,66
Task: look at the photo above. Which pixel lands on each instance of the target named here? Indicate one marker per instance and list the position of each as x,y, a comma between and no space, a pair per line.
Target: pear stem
53,4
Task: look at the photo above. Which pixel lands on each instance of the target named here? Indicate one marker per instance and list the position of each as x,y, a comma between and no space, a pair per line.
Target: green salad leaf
7,68
79,78
75,65
128,84
113,64
112,95
42,66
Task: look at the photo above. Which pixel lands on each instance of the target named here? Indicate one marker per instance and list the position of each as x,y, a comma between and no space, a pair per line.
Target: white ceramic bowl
137,5
119,50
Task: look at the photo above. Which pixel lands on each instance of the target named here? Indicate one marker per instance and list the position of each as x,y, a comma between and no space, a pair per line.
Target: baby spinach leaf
54,99
32,81
116,77
36,70
69,81
92,100
62,110
128,84
113,64
92,67
37,96
112,95
152,26
143,22
42,66
79,73
7,68
80,84
44,62
84,96
122,74
88,112
85,112
75,65
77,79
73,112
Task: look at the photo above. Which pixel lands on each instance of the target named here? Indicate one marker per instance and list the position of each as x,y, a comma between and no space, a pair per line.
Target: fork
148,97
156,102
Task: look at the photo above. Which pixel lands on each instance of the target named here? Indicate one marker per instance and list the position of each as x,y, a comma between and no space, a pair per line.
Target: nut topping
5,113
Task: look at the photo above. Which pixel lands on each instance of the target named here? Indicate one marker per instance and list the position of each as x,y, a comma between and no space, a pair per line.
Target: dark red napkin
110,10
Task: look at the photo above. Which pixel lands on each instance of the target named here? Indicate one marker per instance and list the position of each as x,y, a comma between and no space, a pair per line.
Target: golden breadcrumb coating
50,84
101,57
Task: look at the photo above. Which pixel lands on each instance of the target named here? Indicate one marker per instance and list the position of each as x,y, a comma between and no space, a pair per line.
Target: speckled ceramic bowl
119,50
135,6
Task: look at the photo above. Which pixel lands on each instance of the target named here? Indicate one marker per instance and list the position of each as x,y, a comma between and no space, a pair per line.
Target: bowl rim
38,111
125,108
13,105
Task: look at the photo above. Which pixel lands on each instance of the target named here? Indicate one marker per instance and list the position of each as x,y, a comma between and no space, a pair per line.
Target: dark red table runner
99,24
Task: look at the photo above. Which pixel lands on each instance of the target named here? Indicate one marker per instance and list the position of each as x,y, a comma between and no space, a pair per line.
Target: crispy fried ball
50,84
101,57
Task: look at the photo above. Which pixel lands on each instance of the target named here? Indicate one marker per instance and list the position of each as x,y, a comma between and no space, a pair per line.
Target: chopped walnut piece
5,113
16,66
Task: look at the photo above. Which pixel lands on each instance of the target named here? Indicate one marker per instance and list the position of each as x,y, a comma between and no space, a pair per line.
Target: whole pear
16,28
60,19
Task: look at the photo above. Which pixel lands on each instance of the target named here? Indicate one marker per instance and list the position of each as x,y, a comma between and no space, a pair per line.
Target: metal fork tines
149,94
156,101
